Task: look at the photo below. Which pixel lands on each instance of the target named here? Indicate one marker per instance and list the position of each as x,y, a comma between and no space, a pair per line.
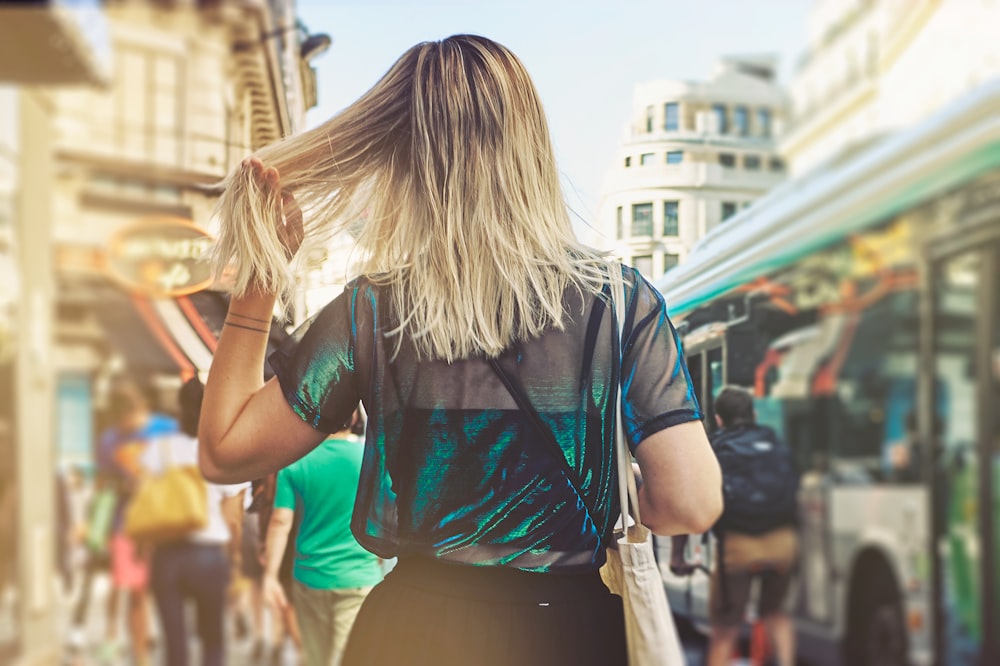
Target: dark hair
734,405
124,399
190,397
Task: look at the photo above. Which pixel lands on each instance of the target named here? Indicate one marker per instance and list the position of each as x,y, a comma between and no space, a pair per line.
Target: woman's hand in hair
290,229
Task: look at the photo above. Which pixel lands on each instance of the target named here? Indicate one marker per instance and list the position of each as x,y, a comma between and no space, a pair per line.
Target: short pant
769,558
129,570
728,606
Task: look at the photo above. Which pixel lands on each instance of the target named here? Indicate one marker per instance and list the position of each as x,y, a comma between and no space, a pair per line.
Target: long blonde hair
444,173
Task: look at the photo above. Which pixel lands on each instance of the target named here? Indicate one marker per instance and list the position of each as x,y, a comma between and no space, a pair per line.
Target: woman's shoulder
358,290
641,290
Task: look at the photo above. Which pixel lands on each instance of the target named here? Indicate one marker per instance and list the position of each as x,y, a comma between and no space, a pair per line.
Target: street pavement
85,646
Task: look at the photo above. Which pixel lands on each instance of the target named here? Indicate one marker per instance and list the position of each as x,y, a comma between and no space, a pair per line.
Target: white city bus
861,304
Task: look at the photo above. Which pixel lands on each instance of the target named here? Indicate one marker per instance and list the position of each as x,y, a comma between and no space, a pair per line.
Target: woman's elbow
701,515
209,469
694,514
214,470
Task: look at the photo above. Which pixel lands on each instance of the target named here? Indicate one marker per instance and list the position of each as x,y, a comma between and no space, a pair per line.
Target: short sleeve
284,495
316,367
657,392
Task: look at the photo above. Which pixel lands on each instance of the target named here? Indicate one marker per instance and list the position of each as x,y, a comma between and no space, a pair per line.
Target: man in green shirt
332,573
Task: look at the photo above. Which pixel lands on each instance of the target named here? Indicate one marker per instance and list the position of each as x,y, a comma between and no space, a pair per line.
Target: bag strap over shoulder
628,492
627,488
551,445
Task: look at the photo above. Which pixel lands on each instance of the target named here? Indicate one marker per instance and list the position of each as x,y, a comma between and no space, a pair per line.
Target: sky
585,57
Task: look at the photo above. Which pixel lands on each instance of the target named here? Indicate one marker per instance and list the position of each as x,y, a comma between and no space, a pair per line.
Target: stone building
119,121
693,155
873,67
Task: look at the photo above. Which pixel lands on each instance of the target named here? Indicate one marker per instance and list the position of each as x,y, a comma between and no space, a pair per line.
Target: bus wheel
878,633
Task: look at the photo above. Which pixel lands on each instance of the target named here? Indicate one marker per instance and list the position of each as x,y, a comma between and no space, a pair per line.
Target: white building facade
873,67
693,155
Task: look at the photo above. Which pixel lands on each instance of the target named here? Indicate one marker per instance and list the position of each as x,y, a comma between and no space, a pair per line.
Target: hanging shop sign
161,256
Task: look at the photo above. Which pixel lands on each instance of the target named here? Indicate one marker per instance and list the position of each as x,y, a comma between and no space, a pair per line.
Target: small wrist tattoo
247,328
243,316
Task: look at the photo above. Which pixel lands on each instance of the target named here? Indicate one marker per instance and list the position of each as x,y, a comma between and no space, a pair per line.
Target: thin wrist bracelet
248,328
243,316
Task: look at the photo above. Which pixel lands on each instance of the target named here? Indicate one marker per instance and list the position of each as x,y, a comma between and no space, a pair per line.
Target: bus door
960,422
705,359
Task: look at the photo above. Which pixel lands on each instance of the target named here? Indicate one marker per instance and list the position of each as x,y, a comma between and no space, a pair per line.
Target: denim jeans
199,572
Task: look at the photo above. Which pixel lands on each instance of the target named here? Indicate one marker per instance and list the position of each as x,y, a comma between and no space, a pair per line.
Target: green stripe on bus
921,191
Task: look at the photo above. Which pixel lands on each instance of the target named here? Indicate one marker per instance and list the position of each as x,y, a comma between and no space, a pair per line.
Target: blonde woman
479,334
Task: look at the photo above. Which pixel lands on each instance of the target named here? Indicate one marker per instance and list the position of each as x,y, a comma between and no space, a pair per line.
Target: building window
721,118
751,162
649,118
671,224
619,224
148,105
741,120
628,161
727,160
764,122
728,210
644,264
670,261
777,164
646,158
642,219
675,156
671,117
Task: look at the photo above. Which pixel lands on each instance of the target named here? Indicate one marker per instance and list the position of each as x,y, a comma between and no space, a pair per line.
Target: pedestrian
332,574
248,606
133,426
756,535
197,566
283,624
99,509
479,328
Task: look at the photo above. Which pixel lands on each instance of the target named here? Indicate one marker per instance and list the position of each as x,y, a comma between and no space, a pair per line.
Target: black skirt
428,613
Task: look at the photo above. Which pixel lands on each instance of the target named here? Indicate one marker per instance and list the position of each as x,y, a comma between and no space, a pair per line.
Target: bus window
694,363
714,383
802,423
871,401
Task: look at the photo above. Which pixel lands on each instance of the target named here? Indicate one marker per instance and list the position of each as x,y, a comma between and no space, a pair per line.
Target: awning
174,336
49,42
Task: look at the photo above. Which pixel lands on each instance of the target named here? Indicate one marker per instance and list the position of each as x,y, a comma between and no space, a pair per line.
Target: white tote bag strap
633,572
628,494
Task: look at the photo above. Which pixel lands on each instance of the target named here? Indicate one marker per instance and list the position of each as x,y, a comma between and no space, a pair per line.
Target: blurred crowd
269,572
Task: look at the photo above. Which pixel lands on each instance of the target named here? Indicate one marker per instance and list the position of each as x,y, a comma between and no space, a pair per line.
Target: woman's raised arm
247,429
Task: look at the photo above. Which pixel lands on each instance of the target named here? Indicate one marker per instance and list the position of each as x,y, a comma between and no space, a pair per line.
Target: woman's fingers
256,167
271,177
265,176
291,210
290,231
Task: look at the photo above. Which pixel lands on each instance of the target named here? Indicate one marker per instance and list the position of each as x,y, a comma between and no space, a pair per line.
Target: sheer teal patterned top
452,468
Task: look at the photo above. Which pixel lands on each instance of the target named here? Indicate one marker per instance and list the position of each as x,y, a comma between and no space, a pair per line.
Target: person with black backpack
756,534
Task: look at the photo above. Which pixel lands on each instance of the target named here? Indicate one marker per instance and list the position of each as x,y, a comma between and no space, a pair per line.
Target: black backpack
759,480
